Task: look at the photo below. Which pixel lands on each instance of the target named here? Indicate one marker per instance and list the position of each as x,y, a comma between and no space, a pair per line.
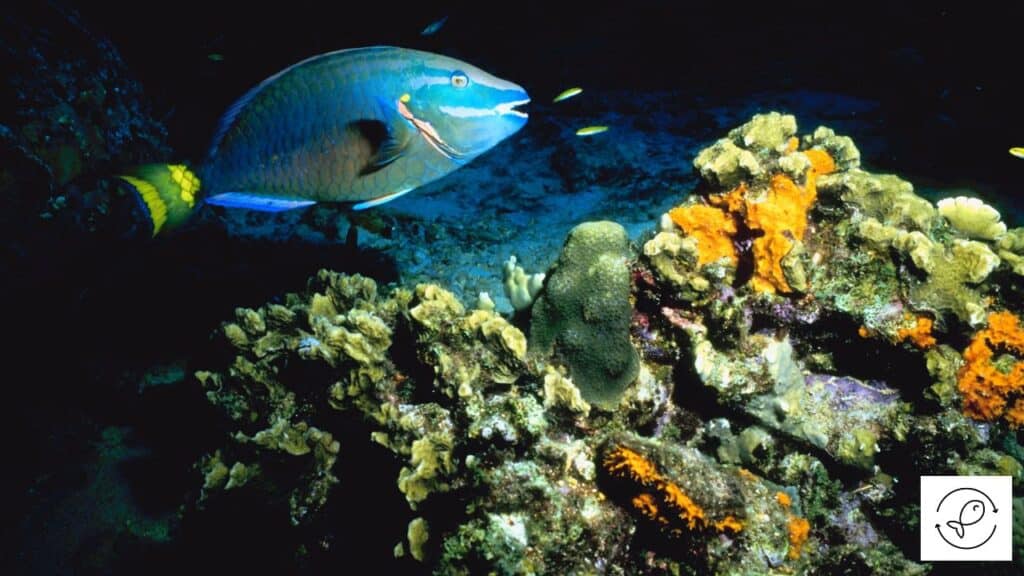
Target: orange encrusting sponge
799,530
779,215
920,334
659,499
991,392
712,228
782,217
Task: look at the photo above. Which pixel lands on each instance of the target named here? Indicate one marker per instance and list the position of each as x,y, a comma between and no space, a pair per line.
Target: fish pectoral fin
383,143
259,202
381,199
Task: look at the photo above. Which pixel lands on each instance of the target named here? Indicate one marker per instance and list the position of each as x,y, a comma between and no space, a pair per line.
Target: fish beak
509,108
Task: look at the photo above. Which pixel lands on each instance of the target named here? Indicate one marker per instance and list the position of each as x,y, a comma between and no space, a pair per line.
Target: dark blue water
103,324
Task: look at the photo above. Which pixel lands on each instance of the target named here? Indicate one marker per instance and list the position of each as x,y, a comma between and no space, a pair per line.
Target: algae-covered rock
584,311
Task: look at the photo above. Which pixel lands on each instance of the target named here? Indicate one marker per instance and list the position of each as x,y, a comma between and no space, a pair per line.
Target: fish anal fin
258,202
380,199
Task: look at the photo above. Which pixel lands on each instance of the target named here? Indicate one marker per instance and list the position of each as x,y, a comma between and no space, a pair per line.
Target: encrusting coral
754,392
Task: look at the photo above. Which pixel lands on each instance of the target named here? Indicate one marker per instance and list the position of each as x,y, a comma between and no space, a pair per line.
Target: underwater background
741,363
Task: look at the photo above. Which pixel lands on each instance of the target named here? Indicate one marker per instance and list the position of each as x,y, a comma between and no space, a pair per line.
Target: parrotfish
361,126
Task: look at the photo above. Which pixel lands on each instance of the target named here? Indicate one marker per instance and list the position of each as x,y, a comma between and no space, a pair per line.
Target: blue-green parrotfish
360,126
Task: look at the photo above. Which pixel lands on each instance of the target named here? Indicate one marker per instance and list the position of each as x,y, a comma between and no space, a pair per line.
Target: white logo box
966,518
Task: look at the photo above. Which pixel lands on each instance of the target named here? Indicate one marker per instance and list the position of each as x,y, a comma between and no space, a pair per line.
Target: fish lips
510,108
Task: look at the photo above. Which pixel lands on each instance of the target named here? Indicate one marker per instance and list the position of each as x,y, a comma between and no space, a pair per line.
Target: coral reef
755,390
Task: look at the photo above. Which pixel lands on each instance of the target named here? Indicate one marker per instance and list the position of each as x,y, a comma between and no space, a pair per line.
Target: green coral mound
584,312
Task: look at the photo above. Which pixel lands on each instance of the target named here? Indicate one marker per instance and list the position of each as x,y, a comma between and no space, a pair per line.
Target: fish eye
460,80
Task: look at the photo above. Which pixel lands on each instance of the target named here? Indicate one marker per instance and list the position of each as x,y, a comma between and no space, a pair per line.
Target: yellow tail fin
168,191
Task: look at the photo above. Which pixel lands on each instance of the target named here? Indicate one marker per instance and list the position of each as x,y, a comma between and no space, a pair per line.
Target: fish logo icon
975,521
966,518
972,513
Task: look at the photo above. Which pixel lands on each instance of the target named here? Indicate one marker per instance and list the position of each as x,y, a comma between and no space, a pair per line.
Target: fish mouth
509,108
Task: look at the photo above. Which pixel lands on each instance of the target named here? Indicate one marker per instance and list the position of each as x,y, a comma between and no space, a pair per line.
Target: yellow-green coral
560,391
674,259
951,268
418,533
887,198
972,217
430,461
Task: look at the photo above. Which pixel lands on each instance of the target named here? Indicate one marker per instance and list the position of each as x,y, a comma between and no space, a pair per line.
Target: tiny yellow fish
1017,151
565,95
591,130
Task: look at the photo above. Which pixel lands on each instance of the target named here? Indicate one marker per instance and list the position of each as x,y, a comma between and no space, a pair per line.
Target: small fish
591,130
971,513
215,57
360,126
569,93
1017,151
433,27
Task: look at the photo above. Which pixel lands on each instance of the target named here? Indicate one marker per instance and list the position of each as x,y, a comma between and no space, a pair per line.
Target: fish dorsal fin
385,143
